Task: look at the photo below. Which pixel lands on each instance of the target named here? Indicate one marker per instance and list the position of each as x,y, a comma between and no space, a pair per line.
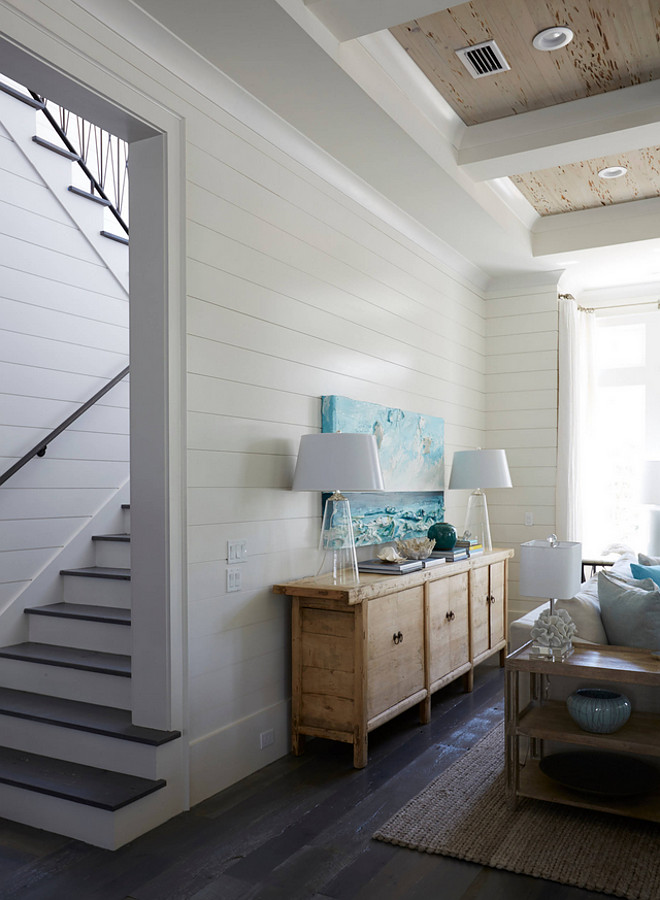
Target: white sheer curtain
576,406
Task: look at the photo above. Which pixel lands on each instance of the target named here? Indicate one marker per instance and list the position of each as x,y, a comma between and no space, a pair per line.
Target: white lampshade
338,461
479,469
651,482
550,569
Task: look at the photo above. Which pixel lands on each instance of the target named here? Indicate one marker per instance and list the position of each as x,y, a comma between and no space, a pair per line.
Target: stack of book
379,567
473,546
451,555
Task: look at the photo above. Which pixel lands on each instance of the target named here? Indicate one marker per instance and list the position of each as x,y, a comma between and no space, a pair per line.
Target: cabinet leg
297,743
425,711
468,681
502,657
360,750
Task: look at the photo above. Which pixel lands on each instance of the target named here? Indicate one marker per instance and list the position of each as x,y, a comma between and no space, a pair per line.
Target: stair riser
96,591
71,684
101,751
113,553
98,827
80,633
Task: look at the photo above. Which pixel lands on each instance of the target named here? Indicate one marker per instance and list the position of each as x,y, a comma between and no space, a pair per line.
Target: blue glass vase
598,711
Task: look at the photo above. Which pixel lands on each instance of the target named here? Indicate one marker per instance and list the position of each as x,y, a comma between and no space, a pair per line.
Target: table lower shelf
533,783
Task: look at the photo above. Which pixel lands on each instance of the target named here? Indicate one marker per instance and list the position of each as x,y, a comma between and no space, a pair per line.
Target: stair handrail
39,449
79,159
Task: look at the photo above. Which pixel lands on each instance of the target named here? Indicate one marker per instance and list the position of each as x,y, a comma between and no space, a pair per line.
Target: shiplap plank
522,497
209,542
67,357
71,444
23,380
521,418
22,318
521,437
210,395
534,342
87,301
521,305
47,472
23,194
528,323
28,534
218,506
20,565
514,382
209,432
60,267
215,469
66,503
35,412
524,399
522,362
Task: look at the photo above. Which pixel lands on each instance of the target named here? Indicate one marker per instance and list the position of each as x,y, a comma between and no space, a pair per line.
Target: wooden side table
546,720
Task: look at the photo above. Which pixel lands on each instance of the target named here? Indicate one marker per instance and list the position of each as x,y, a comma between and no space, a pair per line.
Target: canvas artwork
411,451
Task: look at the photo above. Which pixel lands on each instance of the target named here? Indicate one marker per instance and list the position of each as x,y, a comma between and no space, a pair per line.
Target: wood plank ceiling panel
577,186
615,46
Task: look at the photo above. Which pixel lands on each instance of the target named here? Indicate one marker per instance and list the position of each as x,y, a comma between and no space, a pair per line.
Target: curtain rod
655,303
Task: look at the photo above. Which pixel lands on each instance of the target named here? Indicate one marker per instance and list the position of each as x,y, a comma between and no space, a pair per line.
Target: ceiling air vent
483,59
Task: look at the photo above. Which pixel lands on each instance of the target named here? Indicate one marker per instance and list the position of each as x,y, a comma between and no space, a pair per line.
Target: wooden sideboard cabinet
363,654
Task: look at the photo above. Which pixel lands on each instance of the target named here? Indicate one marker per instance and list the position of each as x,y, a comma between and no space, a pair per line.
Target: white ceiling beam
348,19
627,119
622,223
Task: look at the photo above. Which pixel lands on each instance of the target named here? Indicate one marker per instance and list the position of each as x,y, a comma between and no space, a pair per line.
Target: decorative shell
553,630
416,548
390,554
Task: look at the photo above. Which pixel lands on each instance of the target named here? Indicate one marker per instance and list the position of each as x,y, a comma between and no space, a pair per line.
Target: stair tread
106,720
69,657
111,614
72,781
100,572
124,536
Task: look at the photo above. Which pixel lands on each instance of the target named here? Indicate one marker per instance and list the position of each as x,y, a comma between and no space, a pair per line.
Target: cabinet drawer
395,664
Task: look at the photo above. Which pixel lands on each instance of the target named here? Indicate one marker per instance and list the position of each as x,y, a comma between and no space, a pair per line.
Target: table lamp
477,470
551,569
651,497
328,462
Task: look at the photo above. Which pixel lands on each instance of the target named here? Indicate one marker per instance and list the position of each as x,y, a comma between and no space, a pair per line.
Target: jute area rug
463,813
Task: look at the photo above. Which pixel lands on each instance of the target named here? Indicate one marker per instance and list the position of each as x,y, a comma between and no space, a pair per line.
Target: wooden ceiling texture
616,45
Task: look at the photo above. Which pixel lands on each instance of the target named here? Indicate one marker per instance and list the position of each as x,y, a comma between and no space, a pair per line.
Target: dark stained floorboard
300,829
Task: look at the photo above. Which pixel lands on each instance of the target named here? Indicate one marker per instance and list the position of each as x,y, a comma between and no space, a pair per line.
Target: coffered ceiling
615,46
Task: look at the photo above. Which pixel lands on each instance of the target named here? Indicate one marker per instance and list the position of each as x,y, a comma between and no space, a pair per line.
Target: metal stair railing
39,449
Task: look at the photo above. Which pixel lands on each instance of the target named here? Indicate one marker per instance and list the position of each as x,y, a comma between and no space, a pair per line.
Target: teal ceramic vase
598,711
444,535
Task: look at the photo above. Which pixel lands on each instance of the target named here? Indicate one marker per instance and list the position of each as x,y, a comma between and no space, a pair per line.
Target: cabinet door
496,593
480,610
448,626
396,649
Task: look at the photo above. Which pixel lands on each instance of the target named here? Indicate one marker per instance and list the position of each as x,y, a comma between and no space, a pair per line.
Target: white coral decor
553,629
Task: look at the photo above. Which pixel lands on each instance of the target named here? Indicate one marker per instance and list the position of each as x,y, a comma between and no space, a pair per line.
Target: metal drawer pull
451,615
397,638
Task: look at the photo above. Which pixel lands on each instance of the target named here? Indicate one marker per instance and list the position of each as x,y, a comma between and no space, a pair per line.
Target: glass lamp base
337,543
539,651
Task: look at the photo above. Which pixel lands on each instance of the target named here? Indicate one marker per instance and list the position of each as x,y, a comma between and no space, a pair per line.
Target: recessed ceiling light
612,172
553,38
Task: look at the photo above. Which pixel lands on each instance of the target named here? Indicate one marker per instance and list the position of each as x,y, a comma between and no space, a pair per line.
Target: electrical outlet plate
234,579
529,518
266,738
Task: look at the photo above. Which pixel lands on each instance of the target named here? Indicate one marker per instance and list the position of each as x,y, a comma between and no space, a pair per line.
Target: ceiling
502,169
615,46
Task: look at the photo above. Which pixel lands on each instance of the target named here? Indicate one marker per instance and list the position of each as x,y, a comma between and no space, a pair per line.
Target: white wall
294,292
521,366
63,335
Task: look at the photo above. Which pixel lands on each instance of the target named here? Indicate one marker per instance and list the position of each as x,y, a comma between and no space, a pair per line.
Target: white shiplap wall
63,334
294,292
522,417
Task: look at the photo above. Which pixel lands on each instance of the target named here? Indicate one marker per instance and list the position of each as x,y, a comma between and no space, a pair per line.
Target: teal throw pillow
630,611
640,572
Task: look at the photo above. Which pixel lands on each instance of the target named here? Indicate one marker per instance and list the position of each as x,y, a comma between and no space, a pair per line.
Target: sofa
619,605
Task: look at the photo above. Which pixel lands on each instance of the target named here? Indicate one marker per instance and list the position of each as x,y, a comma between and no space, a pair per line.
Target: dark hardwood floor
299,829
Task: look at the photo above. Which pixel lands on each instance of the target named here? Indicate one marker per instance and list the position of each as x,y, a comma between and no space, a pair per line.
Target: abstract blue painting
411,451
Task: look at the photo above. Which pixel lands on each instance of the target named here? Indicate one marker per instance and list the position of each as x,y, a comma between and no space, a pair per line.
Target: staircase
71,760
